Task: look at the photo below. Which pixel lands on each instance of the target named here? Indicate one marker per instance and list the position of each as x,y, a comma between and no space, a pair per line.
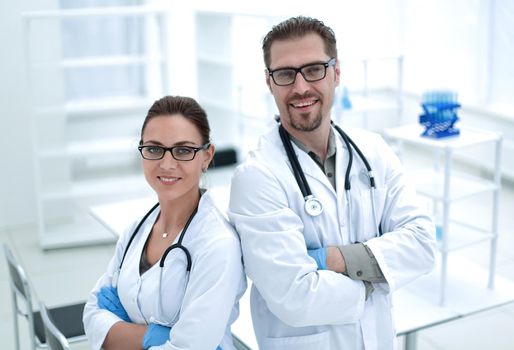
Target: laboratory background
434,78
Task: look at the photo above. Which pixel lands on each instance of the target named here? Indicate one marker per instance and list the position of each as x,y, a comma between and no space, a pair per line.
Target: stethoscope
177,245
313,205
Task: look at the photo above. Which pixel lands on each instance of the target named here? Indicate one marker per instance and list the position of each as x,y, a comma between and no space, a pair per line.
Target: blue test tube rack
439,114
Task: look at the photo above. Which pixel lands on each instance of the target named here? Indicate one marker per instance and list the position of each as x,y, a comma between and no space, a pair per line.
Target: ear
337,70
208,155
268,80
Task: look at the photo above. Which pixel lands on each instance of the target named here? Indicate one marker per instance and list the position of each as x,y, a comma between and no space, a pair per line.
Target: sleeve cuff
361,263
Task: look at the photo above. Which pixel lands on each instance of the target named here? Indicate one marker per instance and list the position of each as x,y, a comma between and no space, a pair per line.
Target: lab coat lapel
312,171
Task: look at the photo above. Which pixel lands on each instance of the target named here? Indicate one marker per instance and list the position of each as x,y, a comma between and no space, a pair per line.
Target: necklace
165,234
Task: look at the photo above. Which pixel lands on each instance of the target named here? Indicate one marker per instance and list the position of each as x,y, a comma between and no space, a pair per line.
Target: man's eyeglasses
184,153
310,72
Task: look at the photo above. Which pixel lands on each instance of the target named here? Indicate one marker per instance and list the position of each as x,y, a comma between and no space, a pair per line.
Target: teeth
168,179
304,104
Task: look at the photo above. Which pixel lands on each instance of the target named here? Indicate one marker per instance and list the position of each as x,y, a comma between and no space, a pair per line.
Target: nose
168,162
300,85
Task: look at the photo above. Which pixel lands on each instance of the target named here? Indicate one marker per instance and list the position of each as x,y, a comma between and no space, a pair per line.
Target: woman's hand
156,335
108,299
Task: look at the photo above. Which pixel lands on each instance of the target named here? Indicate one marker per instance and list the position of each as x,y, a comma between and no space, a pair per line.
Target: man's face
303,105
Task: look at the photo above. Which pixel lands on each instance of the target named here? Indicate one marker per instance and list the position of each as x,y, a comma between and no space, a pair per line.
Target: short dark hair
187,107
297,27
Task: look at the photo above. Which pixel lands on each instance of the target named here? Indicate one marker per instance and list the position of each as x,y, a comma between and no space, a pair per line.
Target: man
323,267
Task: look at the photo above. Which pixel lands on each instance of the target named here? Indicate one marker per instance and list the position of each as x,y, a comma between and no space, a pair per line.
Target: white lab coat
208,303
294,306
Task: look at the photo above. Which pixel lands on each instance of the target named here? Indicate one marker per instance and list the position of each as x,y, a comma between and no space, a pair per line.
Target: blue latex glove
156,335
320,256
109,300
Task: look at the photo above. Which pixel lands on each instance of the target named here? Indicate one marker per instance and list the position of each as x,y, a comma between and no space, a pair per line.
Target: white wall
442,46
502,55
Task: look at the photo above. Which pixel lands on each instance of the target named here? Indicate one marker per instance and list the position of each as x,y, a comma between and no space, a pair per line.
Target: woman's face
173,179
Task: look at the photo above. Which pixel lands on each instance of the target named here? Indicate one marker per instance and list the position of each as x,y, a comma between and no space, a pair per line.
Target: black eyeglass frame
170,149
330,62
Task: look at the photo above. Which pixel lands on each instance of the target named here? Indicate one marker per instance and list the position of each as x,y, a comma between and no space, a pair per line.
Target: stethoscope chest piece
313,206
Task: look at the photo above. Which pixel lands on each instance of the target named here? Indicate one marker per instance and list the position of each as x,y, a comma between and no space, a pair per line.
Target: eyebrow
180,143
302,66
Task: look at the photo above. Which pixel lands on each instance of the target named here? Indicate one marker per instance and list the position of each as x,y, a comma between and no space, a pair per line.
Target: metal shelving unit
444,186
84,150
231,85
217,91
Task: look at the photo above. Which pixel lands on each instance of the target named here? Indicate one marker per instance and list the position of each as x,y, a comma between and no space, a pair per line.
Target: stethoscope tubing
177,245
304,186
295,164
371,176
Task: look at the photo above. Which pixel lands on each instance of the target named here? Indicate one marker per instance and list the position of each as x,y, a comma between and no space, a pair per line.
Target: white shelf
462,236
100,187
431,184
85,151
215,59
366,104
92,148
447,187
468,137
124,60
90,108
99,61
108,105
111,11
216,103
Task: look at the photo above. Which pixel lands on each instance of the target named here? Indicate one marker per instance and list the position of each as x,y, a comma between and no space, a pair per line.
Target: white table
416,306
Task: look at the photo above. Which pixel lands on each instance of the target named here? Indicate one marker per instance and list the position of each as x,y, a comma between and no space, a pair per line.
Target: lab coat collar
311,170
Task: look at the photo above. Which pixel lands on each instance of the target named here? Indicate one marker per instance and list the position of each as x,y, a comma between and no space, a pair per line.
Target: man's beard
310,126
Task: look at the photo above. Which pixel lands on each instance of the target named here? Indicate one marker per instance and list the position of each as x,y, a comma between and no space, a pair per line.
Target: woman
144,305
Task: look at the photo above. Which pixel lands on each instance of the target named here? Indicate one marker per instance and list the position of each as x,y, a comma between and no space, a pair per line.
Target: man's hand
335,260
329,258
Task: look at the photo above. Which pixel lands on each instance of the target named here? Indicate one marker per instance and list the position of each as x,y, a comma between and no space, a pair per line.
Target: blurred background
77,77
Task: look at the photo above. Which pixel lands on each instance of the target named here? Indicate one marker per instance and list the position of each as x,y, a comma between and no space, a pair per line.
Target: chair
67,319
224,157
54,338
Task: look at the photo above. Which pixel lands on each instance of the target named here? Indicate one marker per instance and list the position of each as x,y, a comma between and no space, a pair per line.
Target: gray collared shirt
329,165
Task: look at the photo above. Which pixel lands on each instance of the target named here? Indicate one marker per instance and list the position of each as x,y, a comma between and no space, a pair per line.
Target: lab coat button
359,273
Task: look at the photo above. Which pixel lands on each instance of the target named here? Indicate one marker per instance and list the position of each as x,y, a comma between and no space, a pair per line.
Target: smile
168,180
304,104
